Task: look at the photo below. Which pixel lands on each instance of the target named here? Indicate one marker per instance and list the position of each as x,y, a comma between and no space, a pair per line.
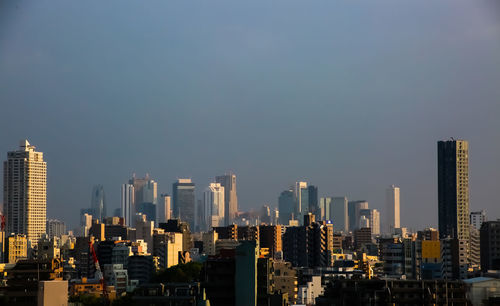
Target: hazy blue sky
348,95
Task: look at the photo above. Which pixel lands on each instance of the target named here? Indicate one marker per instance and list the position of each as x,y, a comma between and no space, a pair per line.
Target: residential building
454,258
16,248
141,268
453,189
167,247
209,240
477,218
285,280
55,228
25,192
270,237
228,182
490,242
309,245
308,292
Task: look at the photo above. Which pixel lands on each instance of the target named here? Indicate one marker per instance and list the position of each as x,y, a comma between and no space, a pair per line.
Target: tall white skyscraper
392,216
301,196
128,203
25,192
213,199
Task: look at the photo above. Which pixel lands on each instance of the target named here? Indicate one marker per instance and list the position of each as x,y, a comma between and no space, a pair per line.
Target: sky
351,96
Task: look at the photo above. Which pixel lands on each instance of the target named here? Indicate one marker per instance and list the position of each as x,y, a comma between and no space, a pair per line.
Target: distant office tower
335,210
354,208
145,196
373,217
392,214
286,207
145,190
98,203
55,228
324,208
164,209
228,181
340,218
489,241
184,201
477,218
127,204
25,192
301,194
453,189
312,192
213,199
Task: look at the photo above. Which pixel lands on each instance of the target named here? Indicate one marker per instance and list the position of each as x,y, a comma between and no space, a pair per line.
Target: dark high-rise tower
313,199
453,188
183,201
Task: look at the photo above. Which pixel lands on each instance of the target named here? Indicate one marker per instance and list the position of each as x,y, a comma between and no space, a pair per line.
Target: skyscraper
453,189
164,209
286,207
392,215
98,204
354,208
312,192
373,217
127,204
145,190
25,192
214,204
228,181
184,201
340,214
301,194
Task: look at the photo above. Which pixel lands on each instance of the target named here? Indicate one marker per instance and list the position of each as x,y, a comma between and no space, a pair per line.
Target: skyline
277,96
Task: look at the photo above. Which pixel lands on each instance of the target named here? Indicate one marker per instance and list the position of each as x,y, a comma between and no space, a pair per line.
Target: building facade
490,240
453,189
25,192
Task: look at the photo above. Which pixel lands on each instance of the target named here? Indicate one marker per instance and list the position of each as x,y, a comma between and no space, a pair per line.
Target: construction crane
99,274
